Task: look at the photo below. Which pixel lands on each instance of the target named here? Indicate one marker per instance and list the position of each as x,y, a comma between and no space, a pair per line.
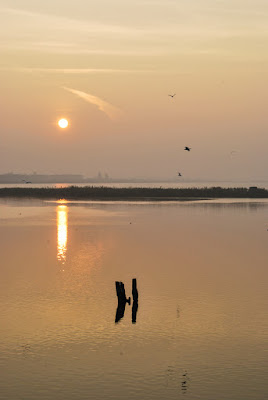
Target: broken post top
121,294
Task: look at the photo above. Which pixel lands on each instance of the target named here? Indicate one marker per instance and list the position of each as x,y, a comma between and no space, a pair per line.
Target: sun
63,123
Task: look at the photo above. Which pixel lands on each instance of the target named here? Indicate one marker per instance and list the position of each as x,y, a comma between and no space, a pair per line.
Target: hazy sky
108,67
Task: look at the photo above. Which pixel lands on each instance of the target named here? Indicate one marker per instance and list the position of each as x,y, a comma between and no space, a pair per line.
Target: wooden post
134,311
121,294
135,300
120,311
134,290
122,300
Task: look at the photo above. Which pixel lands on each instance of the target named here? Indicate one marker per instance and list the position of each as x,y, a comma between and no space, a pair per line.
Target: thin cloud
61,23
77,49
111,111
190,25
77,71
87,71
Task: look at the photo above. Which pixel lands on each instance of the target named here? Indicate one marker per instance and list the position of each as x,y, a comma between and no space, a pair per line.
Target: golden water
201,328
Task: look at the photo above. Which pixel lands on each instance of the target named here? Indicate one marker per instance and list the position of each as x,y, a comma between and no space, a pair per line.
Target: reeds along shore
110,193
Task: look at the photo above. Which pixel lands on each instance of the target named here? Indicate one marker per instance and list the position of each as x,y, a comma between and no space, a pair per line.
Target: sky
108,68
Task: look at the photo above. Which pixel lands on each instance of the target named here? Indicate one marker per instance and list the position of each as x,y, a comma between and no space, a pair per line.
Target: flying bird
172,95
187,148
233,154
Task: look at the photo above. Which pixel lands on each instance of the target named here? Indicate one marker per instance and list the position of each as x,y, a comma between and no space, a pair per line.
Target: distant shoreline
133,194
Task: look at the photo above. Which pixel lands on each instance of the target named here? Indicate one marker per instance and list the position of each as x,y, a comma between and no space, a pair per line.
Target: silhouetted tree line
109,193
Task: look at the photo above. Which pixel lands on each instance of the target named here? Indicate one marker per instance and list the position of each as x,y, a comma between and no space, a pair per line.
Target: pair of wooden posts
122,300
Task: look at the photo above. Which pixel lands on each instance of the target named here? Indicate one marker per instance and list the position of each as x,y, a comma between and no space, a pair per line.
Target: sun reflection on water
62,232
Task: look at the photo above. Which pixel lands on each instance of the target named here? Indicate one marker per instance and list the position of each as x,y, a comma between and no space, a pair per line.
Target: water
201,328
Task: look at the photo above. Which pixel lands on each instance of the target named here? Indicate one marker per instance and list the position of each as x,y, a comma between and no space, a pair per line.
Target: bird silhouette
172,95
179,174
234,152
187,148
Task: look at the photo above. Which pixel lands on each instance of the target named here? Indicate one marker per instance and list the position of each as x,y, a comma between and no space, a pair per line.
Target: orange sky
108,68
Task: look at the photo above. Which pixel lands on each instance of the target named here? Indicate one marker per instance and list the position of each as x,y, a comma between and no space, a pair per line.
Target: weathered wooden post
134,290
119,291
120,311
121,294
122,300
135,300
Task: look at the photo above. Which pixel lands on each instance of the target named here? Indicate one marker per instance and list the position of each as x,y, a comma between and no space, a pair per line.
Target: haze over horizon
108,68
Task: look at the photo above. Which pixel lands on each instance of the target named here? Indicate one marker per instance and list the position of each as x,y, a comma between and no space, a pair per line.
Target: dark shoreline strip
133,194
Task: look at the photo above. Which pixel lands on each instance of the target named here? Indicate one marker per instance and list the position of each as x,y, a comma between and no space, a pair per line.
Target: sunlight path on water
62,235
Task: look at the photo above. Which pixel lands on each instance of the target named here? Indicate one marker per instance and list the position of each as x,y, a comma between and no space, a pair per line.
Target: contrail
111,111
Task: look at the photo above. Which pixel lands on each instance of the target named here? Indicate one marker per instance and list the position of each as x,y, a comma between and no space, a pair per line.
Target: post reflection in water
62,231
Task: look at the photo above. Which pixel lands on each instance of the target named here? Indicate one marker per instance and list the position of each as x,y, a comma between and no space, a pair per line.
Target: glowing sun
63,123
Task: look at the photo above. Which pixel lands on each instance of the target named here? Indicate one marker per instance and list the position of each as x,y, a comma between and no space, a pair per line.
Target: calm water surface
201,328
